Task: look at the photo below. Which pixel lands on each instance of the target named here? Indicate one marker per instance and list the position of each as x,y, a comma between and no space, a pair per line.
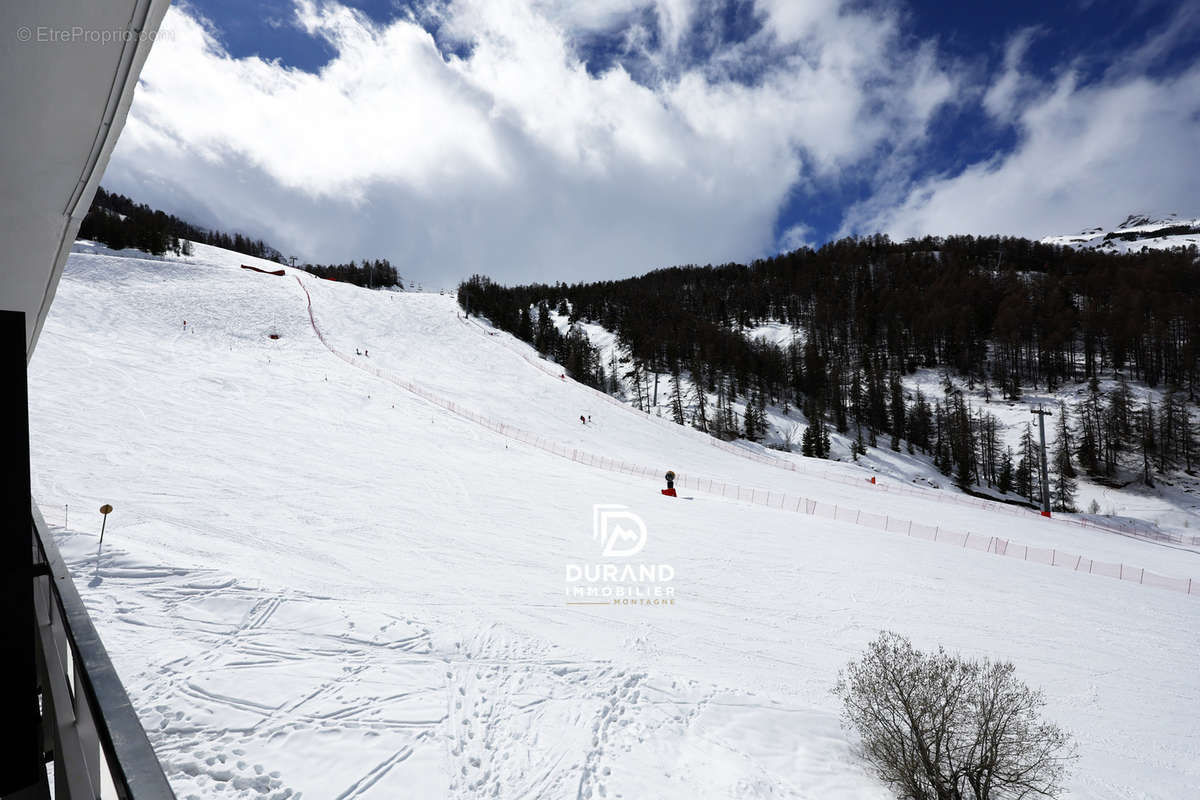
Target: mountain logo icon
620,532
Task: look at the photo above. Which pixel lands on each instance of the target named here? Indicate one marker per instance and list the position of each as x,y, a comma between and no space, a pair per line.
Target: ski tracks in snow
378,703
263,671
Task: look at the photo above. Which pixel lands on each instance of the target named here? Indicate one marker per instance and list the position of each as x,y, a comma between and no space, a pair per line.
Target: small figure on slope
670,490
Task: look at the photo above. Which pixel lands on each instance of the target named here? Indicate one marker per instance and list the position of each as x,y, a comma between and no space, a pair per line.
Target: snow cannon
670,490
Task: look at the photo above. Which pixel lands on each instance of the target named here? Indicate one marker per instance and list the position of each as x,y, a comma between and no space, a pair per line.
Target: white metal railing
90,731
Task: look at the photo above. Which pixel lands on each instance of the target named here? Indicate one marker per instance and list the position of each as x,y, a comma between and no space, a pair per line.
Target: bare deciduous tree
936,726
790,436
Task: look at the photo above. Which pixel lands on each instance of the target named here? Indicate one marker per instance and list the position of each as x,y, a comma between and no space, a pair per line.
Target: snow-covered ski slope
319,583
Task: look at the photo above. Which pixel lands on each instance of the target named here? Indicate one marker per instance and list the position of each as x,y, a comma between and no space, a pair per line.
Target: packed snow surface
317,583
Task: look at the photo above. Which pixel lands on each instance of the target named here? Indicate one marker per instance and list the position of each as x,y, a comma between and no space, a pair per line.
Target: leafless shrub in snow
790,436
935,726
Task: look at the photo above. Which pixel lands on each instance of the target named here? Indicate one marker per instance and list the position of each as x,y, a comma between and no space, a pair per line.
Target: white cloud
514,160
1001,98
797,236
1087,155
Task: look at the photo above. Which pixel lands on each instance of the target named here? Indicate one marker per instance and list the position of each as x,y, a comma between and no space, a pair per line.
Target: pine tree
876,405
755,420
634,375
544,330
525,326
962,472
1118,428
1062,479
943,457
897,411
1062,442
1004,483
1147,441
1088,411
1023,479
1028,479
614,374
919,422
962,443
676,397
1172,429
989,446
838,398
858,447
700,414
1188,444
750,422
1062,488
728,414
717,426
1121,407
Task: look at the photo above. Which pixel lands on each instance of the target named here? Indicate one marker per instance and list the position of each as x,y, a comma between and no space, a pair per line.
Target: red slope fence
1112,526
982,543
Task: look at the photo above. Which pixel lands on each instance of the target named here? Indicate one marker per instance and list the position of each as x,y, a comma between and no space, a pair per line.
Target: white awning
68,69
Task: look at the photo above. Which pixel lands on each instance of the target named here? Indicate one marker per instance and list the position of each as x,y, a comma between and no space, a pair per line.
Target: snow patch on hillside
1154,231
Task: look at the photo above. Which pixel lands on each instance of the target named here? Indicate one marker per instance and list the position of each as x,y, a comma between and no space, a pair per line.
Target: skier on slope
583,419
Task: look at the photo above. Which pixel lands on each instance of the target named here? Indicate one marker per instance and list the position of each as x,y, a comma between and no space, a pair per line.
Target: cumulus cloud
1088,152
512,158
797,236
1002,96
1087,155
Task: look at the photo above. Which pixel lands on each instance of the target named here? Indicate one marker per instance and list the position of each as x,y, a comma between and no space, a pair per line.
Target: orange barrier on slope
278,272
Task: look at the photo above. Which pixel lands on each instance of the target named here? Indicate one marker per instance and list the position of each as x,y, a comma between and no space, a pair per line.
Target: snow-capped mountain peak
1139,230
1148,220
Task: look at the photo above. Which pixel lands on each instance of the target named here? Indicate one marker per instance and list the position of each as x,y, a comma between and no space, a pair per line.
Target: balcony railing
90,731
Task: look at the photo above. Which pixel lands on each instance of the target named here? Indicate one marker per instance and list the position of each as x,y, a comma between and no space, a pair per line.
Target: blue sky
546,140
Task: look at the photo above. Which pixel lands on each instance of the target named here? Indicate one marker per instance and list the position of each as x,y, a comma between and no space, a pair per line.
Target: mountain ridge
1162,231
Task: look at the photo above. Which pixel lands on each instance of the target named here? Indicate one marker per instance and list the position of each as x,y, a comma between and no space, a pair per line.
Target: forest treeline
998,313
371,274
118,222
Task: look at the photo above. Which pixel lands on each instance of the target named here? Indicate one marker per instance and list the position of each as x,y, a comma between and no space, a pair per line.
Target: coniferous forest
118,222
997,314
370,274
